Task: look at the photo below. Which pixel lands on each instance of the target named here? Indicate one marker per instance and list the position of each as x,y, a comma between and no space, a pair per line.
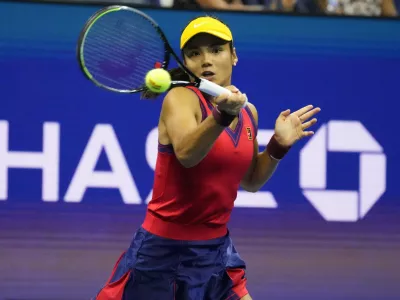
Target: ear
234,57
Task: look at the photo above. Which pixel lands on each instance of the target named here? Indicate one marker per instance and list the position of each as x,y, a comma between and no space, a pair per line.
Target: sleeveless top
196,203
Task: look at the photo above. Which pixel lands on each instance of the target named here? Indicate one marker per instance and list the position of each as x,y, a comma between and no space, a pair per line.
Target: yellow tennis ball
158,80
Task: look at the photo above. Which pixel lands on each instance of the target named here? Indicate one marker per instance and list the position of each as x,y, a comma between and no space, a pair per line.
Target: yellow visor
206,25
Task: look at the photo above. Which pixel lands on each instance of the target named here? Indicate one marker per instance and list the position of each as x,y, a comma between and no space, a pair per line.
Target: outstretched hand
291,127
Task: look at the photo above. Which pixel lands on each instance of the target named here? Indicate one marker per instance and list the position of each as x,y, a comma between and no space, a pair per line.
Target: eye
193,53
216,49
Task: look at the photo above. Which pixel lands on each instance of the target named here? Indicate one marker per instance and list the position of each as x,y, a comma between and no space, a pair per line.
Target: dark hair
178,73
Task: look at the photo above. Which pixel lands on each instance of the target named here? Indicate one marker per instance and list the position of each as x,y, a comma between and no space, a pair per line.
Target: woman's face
211,58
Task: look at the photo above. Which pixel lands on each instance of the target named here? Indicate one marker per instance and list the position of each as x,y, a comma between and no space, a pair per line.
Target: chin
210,78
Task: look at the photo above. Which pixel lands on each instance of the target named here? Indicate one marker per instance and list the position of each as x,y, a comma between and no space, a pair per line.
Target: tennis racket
119,45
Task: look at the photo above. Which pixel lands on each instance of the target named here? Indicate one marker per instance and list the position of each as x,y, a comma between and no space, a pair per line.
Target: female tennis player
207,149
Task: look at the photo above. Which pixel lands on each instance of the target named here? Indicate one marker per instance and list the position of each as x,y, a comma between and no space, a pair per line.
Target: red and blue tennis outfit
183,249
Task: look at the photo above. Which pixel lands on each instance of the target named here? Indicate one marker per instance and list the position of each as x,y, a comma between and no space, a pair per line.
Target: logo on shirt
249,135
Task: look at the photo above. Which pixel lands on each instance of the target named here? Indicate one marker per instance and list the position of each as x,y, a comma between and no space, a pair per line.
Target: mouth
208,75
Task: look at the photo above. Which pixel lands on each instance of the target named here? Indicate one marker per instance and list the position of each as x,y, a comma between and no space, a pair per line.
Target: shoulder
253,111
180,99
180,96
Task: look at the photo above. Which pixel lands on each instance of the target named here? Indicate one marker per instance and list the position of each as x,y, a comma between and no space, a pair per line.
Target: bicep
178,114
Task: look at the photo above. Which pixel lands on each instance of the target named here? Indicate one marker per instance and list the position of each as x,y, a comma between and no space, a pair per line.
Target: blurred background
326,226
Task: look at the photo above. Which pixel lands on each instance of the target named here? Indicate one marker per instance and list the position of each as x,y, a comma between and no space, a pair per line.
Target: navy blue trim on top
165,148
234,134
210,106
253,120
203,110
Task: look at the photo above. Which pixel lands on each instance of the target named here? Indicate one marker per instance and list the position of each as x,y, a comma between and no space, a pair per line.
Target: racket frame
201,83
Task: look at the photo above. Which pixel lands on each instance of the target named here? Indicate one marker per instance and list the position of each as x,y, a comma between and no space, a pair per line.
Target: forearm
265,167
194,146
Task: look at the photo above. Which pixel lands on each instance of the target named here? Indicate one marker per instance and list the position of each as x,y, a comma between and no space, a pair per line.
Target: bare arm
191,141
262,166
388,8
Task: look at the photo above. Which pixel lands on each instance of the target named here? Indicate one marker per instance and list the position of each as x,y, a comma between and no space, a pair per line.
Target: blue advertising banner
76,161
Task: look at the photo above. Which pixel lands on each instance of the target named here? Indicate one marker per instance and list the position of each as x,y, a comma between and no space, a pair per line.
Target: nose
206,60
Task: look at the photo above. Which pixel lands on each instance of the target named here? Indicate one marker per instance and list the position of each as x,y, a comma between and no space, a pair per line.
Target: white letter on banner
103,137
47,160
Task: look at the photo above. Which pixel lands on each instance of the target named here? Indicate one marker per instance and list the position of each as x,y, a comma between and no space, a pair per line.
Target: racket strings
120,48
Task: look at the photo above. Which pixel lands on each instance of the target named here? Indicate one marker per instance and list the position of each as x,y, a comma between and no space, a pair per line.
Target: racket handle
214,89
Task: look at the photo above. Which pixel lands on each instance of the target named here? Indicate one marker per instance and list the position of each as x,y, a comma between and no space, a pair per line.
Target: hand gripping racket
119,45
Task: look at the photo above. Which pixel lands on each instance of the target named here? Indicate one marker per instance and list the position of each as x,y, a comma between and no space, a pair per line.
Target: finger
309,114
307,133
245,100
285,113
223,97
303,110
221,100
237,98
232,88
308,124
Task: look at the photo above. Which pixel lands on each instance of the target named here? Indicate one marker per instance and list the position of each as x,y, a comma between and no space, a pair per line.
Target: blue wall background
348,67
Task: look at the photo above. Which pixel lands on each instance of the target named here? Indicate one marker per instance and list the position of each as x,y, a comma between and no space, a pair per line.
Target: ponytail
176,74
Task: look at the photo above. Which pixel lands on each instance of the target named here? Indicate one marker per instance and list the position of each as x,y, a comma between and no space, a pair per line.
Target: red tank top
196,203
